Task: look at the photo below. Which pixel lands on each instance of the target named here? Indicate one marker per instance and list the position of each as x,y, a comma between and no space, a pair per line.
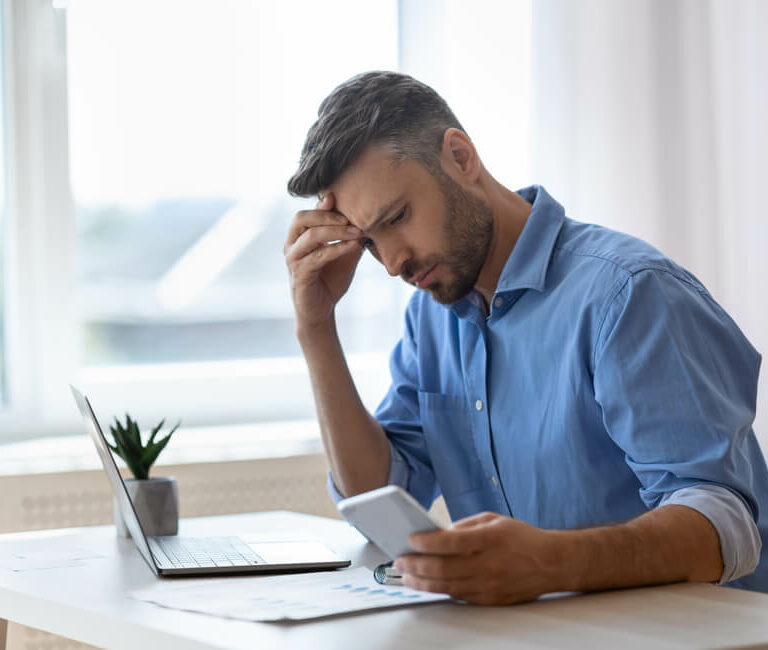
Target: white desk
89,604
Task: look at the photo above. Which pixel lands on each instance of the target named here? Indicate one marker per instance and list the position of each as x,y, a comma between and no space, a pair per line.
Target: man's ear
459,157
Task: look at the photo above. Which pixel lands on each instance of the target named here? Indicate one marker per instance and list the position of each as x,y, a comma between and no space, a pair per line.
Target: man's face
430,231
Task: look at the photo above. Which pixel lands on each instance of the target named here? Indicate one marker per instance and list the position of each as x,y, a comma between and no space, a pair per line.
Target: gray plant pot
156,501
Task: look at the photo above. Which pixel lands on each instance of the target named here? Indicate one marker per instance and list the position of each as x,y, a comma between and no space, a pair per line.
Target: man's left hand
486,559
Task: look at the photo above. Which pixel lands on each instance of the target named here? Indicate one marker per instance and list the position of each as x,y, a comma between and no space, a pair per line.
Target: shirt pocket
447,425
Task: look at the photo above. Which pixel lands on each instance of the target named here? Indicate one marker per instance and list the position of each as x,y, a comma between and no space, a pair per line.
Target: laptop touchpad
293,552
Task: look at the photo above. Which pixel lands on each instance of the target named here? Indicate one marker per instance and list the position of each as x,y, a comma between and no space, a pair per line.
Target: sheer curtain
651,117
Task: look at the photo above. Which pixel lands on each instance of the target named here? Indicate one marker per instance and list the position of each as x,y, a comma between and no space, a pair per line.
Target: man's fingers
438,567
453,541
322,256
475,520
306,219
317,237
455,588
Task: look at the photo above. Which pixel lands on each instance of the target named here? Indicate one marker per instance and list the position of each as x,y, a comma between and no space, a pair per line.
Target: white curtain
651,117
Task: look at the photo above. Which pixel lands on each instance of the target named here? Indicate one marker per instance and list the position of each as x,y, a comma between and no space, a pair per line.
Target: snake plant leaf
128,437
155,430
153,449
131,459
137,455
134,435
126,448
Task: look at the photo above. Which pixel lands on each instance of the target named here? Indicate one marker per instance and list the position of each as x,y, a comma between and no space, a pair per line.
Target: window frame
39,226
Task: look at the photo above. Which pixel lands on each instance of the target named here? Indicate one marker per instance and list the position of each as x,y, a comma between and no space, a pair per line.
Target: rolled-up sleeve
740,543
398,474
676,381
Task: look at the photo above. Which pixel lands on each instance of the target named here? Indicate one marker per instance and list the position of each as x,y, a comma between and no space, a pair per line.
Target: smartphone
388,516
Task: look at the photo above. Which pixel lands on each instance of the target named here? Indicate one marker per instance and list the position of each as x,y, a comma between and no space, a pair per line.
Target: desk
89,604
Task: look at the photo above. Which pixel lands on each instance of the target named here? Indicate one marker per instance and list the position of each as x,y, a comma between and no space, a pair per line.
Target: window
149,147
180,152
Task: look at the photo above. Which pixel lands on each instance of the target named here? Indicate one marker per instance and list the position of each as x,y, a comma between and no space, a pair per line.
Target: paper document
286,597
35,560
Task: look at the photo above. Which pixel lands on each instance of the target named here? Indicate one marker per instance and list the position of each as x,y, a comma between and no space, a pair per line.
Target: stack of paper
285,597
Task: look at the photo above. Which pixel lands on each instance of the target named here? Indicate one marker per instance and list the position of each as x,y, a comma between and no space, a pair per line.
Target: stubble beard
469,231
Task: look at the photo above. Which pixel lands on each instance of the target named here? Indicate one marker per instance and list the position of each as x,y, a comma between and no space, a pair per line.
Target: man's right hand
320,272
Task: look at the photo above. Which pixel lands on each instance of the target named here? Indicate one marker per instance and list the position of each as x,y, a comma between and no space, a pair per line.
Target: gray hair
372,108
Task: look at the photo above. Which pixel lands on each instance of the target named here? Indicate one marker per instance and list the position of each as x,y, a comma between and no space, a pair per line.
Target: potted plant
156,500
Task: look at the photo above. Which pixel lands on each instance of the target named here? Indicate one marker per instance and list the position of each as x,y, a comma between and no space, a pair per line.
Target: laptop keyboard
185,552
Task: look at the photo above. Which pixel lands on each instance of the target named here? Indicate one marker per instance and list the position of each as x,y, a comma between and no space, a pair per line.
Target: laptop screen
118,487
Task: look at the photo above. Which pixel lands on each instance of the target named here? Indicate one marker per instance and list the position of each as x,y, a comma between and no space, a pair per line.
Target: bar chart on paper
292,597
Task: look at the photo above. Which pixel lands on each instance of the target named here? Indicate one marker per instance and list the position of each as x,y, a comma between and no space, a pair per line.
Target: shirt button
479,405
494,481
498,302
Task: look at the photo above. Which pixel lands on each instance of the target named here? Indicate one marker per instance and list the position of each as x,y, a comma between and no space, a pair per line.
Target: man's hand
489,559
320,271
486,559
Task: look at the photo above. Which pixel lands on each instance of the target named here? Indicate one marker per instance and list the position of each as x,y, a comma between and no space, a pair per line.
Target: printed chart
288,597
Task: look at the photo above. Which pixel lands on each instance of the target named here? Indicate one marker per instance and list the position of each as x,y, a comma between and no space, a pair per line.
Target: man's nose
393,258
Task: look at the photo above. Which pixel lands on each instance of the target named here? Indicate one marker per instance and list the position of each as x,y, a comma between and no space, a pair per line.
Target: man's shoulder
617,256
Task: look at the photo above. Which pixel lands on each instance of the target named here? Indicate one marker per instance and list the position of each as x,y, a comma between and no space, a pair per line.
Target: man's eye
399,217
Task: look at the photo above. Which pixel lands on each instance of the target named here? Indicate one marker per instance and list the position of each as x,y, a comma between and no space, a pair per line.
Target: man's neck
510,214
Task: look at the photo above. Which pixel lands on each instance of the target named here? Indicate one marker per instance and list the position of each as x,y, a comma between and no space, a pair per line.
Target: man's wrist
308,333
569,553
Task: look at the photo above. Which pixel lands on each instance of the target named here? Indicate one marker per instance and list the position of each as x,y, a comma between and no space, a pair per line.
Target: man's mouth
425,278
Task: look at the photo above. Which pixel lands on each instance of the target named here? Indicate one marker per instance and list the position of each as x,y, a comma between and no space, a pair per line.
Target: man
581,402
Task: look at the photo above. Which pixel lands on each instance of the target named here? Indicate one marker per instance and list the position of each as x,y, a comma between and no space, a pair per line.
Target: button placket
475,366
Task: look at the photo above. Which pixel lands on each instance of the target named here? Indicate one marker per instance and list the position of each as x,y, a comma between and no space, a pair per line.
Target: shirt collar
527,265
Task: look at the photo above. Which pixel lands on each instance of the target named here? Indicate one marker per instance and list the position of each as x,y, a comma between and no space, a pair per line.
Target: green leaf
132,458
134,434
155,430
151,453
138,456
131,439
153,449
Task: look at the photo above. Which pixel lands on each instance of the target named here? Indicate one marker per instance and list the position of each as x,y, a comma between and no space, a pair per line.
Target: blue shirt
604,377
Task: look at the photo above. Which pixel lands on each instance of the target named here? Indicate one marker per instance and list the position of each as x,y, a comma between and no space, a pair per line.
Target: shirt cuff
740,542
398,474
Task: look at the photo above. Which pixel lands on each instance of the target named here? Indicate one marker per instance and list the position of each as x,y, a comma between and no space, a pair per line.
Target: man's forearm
355,443
668,544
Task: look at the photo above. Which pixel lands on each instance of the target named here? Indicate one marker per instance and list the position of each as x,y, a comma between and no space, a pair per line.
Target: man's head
372,108
402,170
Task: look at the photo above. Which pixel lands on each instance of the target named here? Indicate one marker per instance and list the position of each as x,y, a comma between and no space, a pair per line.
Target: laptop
176,555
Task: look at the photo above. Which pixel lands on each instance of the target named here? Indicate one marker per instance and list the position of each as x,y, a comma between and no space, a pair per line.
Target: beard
469,232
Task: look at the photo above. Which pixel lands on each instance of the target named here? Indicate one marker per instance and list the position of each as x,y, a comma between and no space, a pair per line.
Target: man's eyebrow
383,213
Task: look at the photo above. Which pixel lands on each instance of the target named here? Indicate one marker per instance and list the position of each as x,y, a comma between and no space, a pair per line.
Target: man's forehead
371,188
368,215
